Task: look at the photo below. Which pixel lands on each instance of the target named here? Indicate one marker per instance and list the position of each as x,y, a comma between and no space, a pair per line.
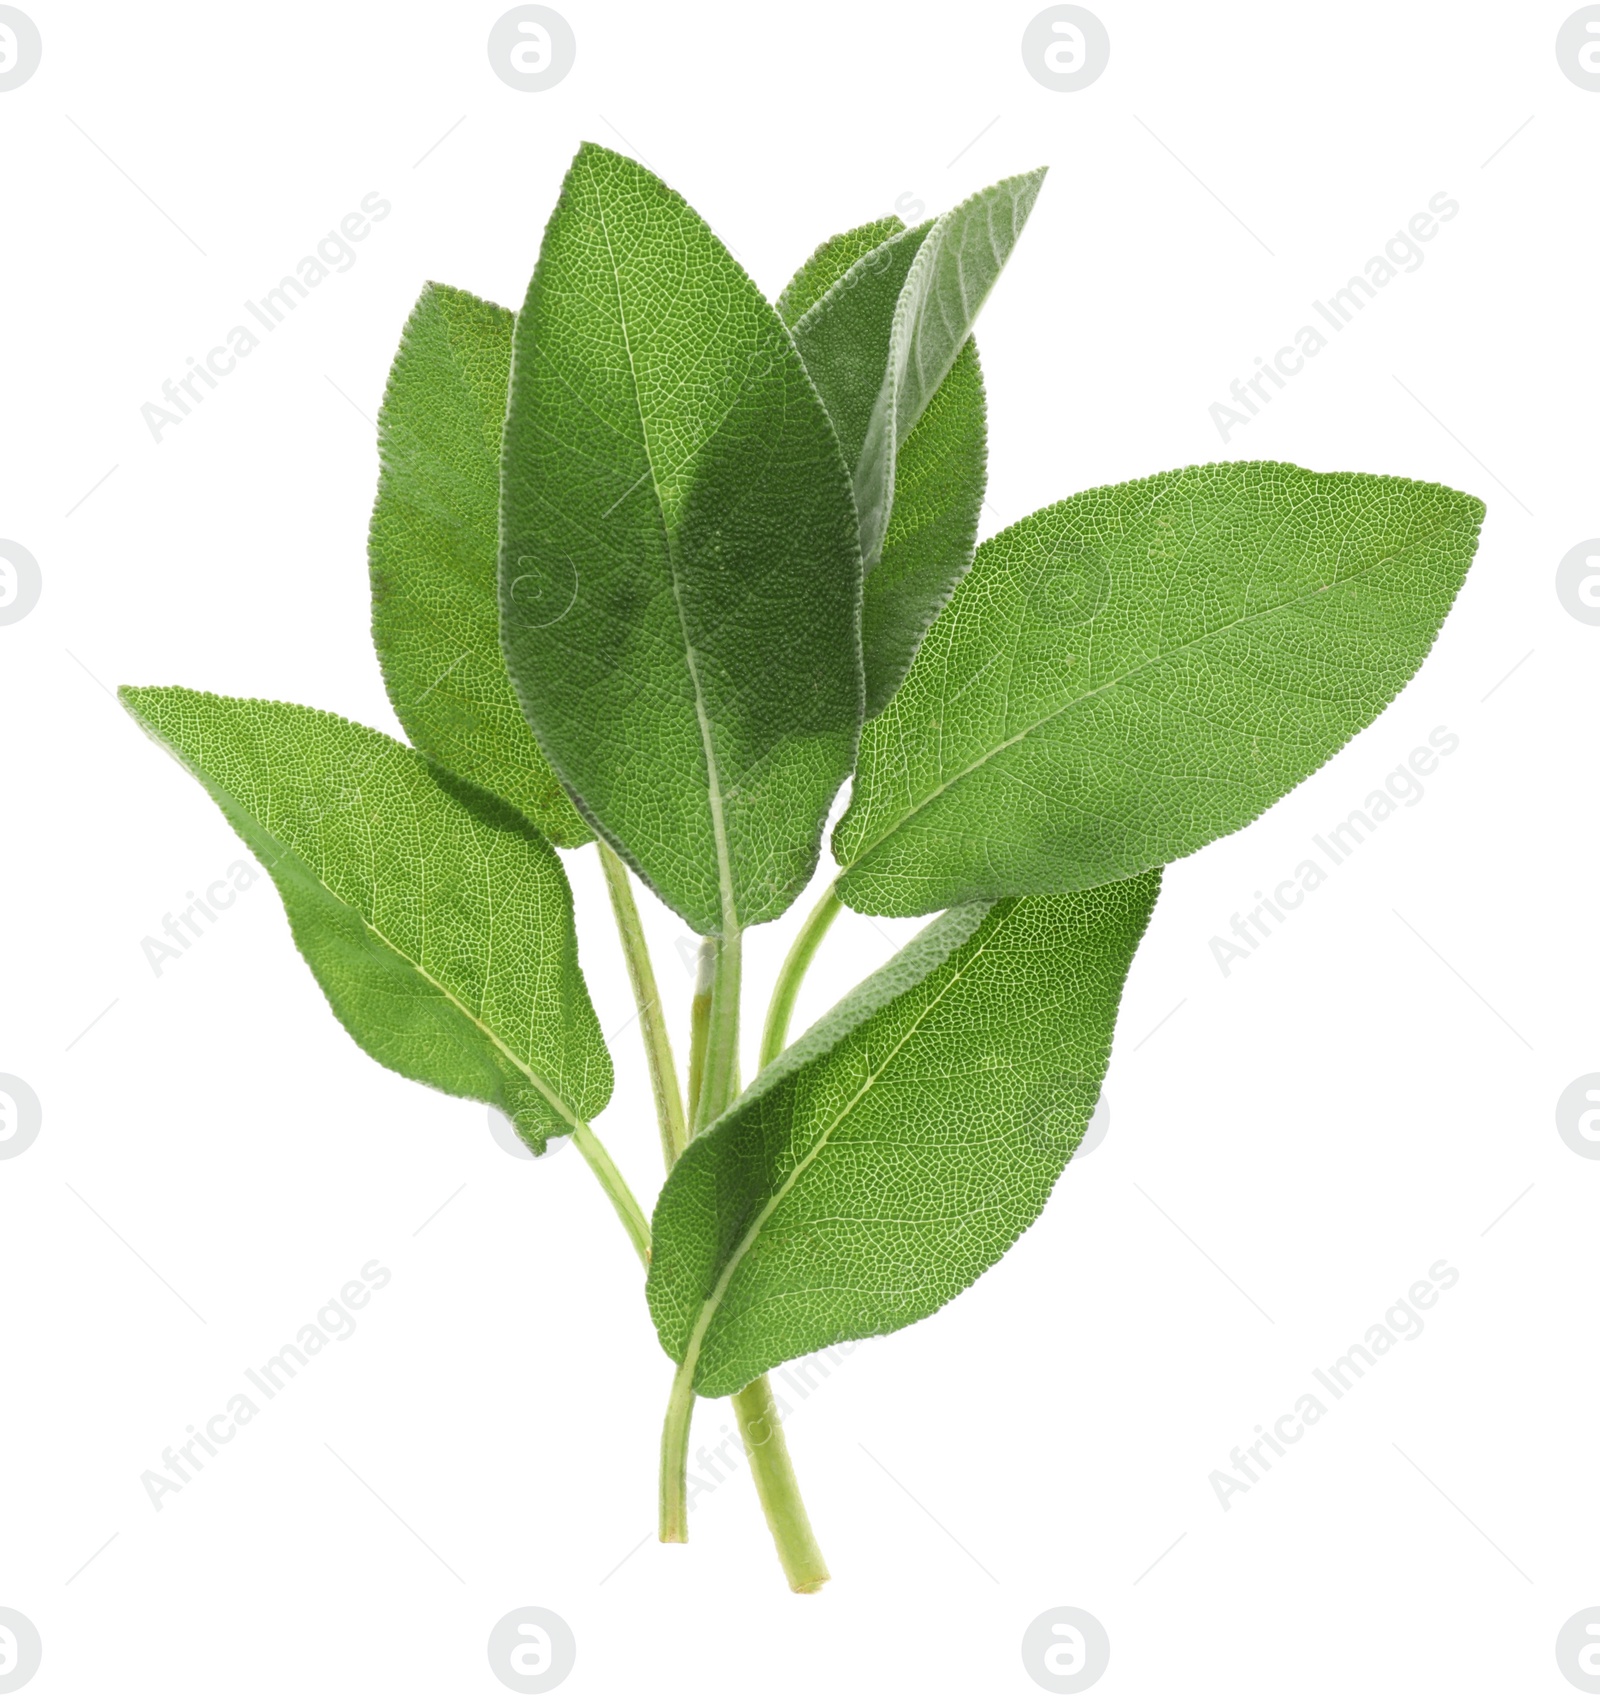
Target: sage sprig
660,564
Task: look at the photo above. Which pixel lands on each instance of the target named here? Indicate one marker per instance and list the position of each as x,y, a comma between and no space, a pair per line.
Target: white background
1363,1096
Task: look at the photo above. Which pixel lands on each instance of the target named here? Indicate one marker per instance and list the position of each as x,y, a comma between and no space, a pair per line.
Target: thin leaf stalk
720,1079
714,1083
647,1000
761,1429
775,1035
674,1490
616,1188
700,1025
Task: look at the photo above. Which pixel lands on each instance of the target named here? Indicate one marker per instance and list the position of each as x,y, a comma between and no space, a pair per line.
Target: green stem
675,1459
674,1488
720,1078
617,1190
770,1465
652,1022
700,1024
761,1430
776,1033
713,1083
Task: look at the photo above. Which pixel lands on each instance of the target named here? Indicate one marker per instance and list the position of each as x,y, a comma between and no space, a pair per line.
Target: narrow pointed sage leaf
895,1151
436,920
845,338
433,551
830,261
955,267
680,575
1138,670
933,527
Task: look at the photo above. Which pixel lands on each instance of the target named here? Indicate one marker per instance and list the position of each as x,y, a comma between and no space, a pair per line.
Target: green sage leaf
954,269
680,576
830,261
433,552
895,1151
1127,675
933,528
436,920
845,339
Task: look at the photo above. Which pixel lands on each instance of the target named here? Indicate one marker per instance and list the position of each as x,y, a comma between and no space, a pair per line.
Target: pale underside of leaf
955,268
844,337
933,528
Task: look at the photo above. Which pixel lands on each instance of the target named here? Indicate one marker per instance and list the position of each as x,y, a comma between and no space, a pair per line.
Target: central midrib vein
289,854
719,830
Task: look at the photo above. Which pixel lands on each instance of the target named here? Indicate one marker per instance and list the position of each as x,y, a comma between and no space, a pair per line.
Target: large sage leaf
895,1151
680,577
845,337
433,551
1129,674
955,267
436,920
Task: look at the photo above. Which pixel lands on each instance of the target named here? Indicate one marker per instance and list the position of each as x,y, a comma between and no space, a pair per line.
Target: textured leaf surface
1129,674
933,528
680,577
433,549
845,339
895,1151
955,267
831,260
436,920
